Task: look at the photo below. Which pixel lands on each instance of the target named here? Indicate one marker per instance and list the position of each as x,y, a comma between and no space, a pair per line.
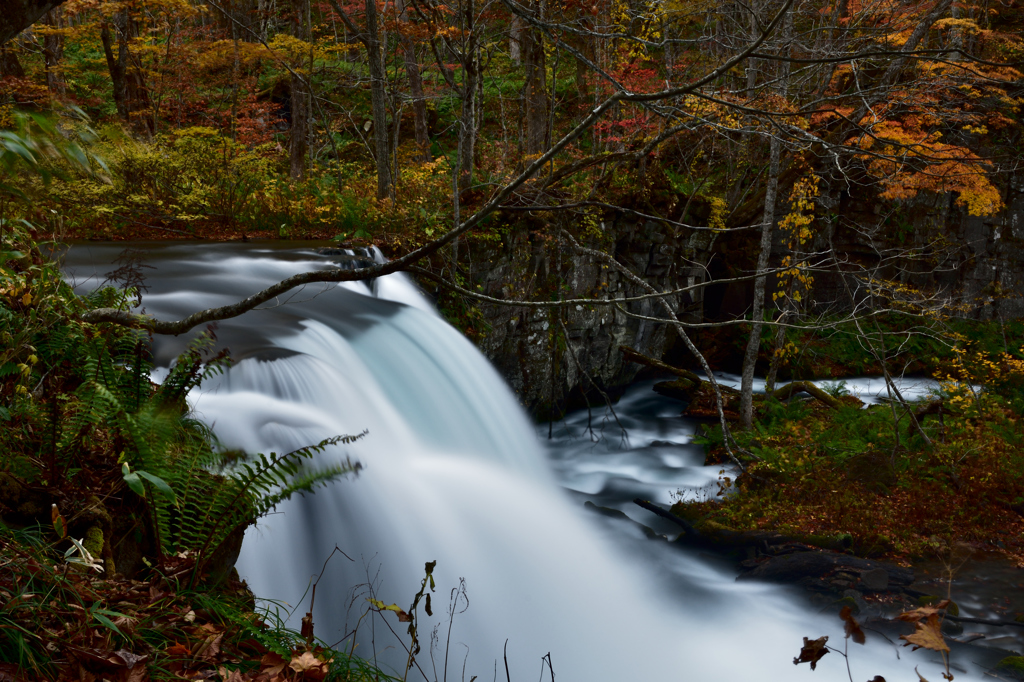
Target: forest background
829,153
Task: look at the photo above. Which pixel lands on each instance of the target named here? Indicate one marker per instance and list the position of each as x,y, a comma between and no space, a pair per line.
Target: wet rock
855,600
951,627
830,568
622,516
876,580
680,389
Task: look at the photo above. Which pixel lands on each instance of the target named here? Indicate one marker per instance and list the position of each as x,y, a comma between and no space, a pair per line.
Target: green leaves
84,559
102,616
134,480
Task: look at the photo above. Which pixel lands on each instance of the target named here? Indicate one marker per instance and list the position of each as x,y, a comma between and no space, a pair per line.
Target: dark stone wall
552,369
977,263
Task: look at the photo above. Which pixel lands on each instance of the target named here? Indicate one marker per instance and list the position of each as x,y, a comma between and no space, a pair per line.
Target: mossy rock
1011,666
690,512
680,389
849,601
834,543
927,600
93,541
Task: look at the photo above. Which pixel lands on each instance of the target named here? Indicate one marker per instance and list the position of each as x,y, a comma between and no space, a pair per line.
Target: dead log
789,389
679,521
630,355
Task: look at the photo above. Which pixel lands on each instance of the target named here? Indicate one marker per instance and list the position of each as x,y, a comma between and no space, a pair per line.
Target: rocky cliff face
558,358
974,264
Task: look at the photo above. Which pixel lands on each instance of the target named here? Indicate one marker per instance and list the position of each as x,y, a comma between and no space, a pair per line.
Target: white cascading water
454,473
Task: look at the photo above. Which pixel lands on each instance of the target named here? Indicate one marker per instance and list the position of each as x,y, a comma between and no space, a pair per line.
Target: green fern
218,495
215,493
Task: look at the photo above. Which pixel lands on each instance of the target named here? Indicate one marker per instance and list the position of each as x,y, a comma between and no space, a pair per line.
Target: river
454,472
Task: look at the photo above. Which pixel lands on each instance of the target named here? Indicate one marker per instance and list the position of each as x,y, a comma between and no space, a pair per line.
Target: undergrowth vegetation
120,517
866,473
194,182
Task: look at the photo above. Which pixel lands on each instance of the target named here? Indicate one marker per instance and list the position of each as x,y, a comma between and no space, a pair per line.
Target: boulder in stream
827,571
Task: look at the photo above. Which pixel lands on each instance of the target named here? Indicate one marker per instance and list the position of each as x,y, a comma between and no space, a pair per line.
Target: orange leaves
907,159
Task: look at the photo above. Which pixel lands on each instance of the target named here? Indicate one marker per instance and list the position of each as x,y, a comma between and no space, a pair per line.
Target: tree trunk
515,38
378,101
752,63
53,53
10,66
116,66
470,83
298,139
536,95
412,72
754,342
130,93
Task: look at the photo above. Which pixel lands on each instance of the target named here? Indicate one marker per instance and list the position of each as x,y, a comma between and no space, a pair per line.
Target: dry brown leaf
10,673
923,612
310,667
178,650
138,674
812,651
307,661
127,658
927,635
210,647
307,627
852,626
272,664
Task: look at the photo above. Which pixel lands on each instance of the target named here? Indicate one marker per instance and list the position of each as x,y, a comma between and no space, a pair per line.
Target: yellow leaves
966,26
719,210
293,48
796,226
222,53
403,617
16,290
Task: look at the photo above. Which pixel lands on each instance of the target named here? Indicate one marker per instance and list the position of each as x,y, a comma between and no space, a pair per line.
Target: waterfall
453,473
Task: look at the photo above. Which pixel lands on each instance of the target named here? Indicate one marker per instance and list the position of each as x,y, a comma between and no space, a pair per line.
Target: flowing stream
454,472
